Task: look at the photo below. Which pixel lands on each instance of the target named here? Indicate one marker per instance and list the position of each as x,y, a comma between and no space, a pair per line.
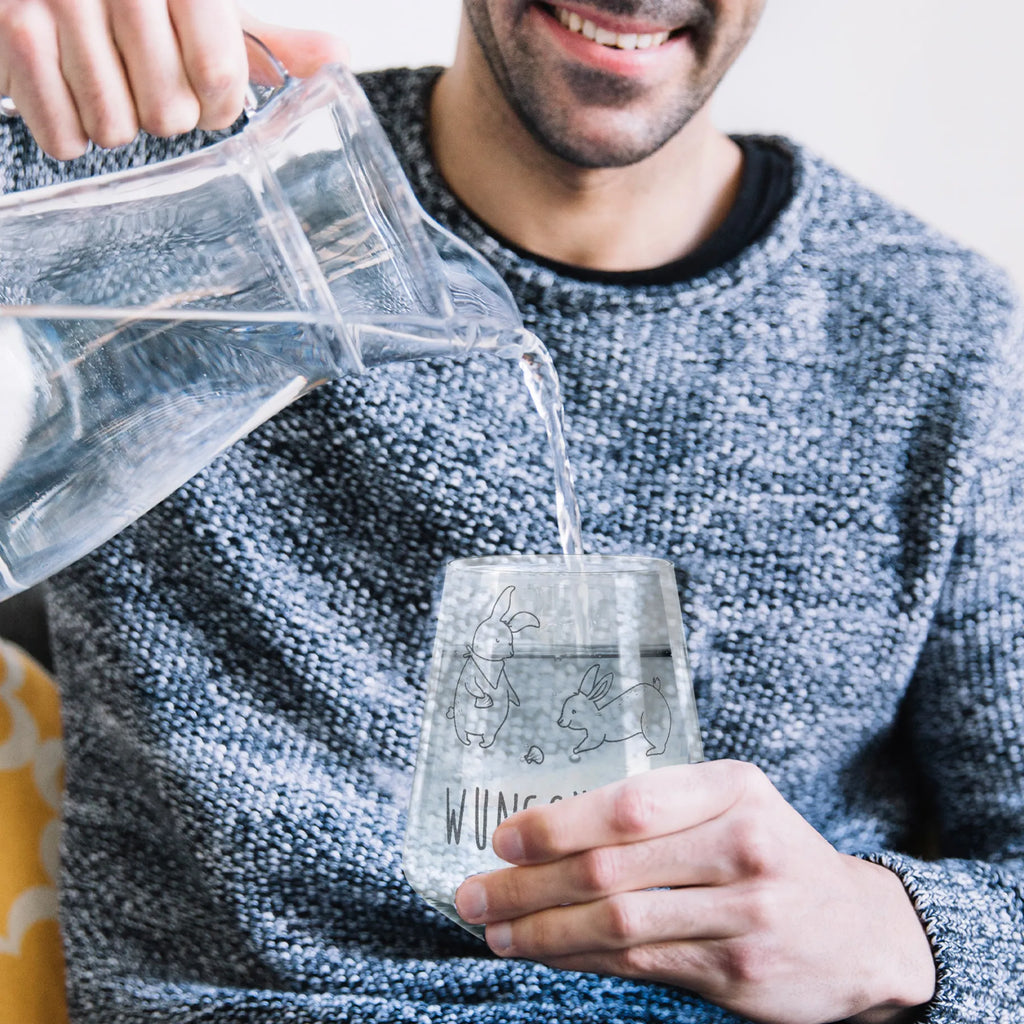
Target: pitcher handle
266,63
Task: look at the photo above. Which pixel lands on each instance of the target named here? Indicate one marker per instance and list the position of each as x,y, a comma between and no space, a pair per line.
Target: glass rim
583,564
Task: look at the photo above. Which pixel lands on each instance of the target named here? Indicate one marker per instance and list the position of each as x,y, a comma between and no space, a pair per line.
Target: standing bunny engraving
640,710
484,694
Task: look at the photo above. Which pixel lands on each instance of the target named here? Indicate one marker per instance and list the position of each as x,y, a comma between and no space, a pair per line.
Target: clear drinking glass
551,675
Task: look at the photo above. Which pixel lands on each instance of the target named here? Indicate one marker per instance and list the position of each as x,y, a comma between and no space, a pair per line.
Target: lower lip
606,58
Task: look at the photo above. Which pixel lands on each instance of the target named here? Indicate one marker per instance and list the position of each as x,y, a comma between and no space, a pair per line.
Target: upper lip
613,23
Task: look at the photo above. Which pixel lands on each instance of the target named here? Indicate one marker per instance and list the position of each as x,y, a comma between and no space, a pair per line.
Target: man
802,397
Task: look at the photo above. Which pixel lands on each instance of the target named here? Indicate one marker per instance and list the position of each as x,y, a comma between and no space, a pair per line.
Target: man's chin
591,148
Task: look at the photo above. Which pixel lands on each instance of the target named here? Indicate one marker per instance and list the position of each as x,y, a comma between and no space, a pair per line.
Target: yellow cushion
31,777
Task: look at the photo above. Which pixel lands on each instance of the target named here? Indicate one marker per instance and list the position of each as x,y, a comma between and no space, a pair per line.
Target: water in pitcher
144,404
148,400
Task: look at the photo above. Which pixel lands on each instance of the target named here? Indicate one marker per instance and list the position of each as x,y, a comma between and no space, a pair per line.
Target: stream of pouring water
542,382
385,340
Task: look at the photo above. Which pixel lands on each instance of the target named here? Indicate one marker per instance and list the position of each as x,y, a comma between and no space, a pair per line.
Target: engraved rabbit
484,694
640,710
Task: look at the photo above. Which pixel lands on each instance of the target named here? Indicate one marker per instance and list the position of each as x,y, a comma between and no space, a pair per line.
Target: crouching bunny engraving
484,694
640,710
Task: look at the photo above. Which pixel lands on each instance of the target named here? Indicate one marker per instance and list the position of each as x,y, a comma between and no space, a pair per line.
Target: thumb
301,51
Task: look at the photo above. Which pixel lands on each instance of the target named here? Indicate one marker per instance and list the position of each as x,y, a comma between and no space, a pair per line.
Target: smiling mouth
604,37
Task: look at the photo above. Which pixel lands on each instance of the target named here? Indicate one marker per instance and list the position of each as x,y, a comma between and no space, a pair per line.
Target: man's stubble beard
553,127
629,140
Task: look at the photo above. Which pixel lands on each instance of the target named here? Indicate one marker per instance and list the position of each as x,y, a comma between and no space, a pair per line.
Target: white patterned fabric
31,781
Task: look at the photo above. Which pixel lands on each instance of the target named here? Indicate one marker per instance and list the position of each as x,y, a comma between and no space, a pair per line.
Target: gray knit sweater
825,436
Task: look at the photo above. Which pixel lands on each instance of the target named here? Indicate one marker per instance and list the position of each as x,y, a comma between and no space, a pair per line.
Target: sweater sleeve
965,712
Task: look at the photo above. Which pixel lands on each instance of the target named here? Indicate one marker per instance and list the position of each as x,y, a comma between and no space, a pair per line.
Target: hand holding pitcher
101,71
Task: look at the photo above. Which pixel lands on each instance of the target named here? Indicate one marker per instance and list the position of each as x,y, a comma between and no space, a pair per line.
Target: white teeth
624,41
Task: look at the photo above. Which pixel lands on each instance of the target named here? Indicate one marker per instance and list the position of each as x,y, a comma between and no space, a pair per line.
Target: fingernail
499,937
508,844
471,901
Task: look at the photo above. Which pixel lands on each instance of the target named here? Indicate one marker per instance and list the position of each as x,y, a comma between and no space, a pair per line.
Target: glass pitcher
151,317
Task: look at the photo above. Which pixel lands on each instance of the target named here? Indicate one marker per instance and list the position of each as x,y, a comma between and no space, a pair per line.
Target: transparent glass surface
150,318
550,676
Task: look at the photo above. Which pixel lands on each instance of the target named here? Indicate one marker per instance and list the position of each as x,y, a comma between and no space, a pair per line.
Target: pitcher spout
477,290
425,338
476,311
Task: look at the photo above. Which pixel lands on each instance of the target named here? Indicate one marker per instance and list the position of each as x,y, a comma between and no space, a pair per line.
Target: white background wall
919,98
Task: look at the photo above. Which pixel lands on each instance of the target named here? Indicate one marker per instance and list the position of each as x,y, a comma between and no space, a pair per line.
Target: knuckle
61,147
516,889
135,12
748,779
112,135
107,126
761,910
535,935
622,921
747,964
635,962
169,119
598,870
132,8
754,847
216,80
634,810
547,836
24,27
27,45
131,20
